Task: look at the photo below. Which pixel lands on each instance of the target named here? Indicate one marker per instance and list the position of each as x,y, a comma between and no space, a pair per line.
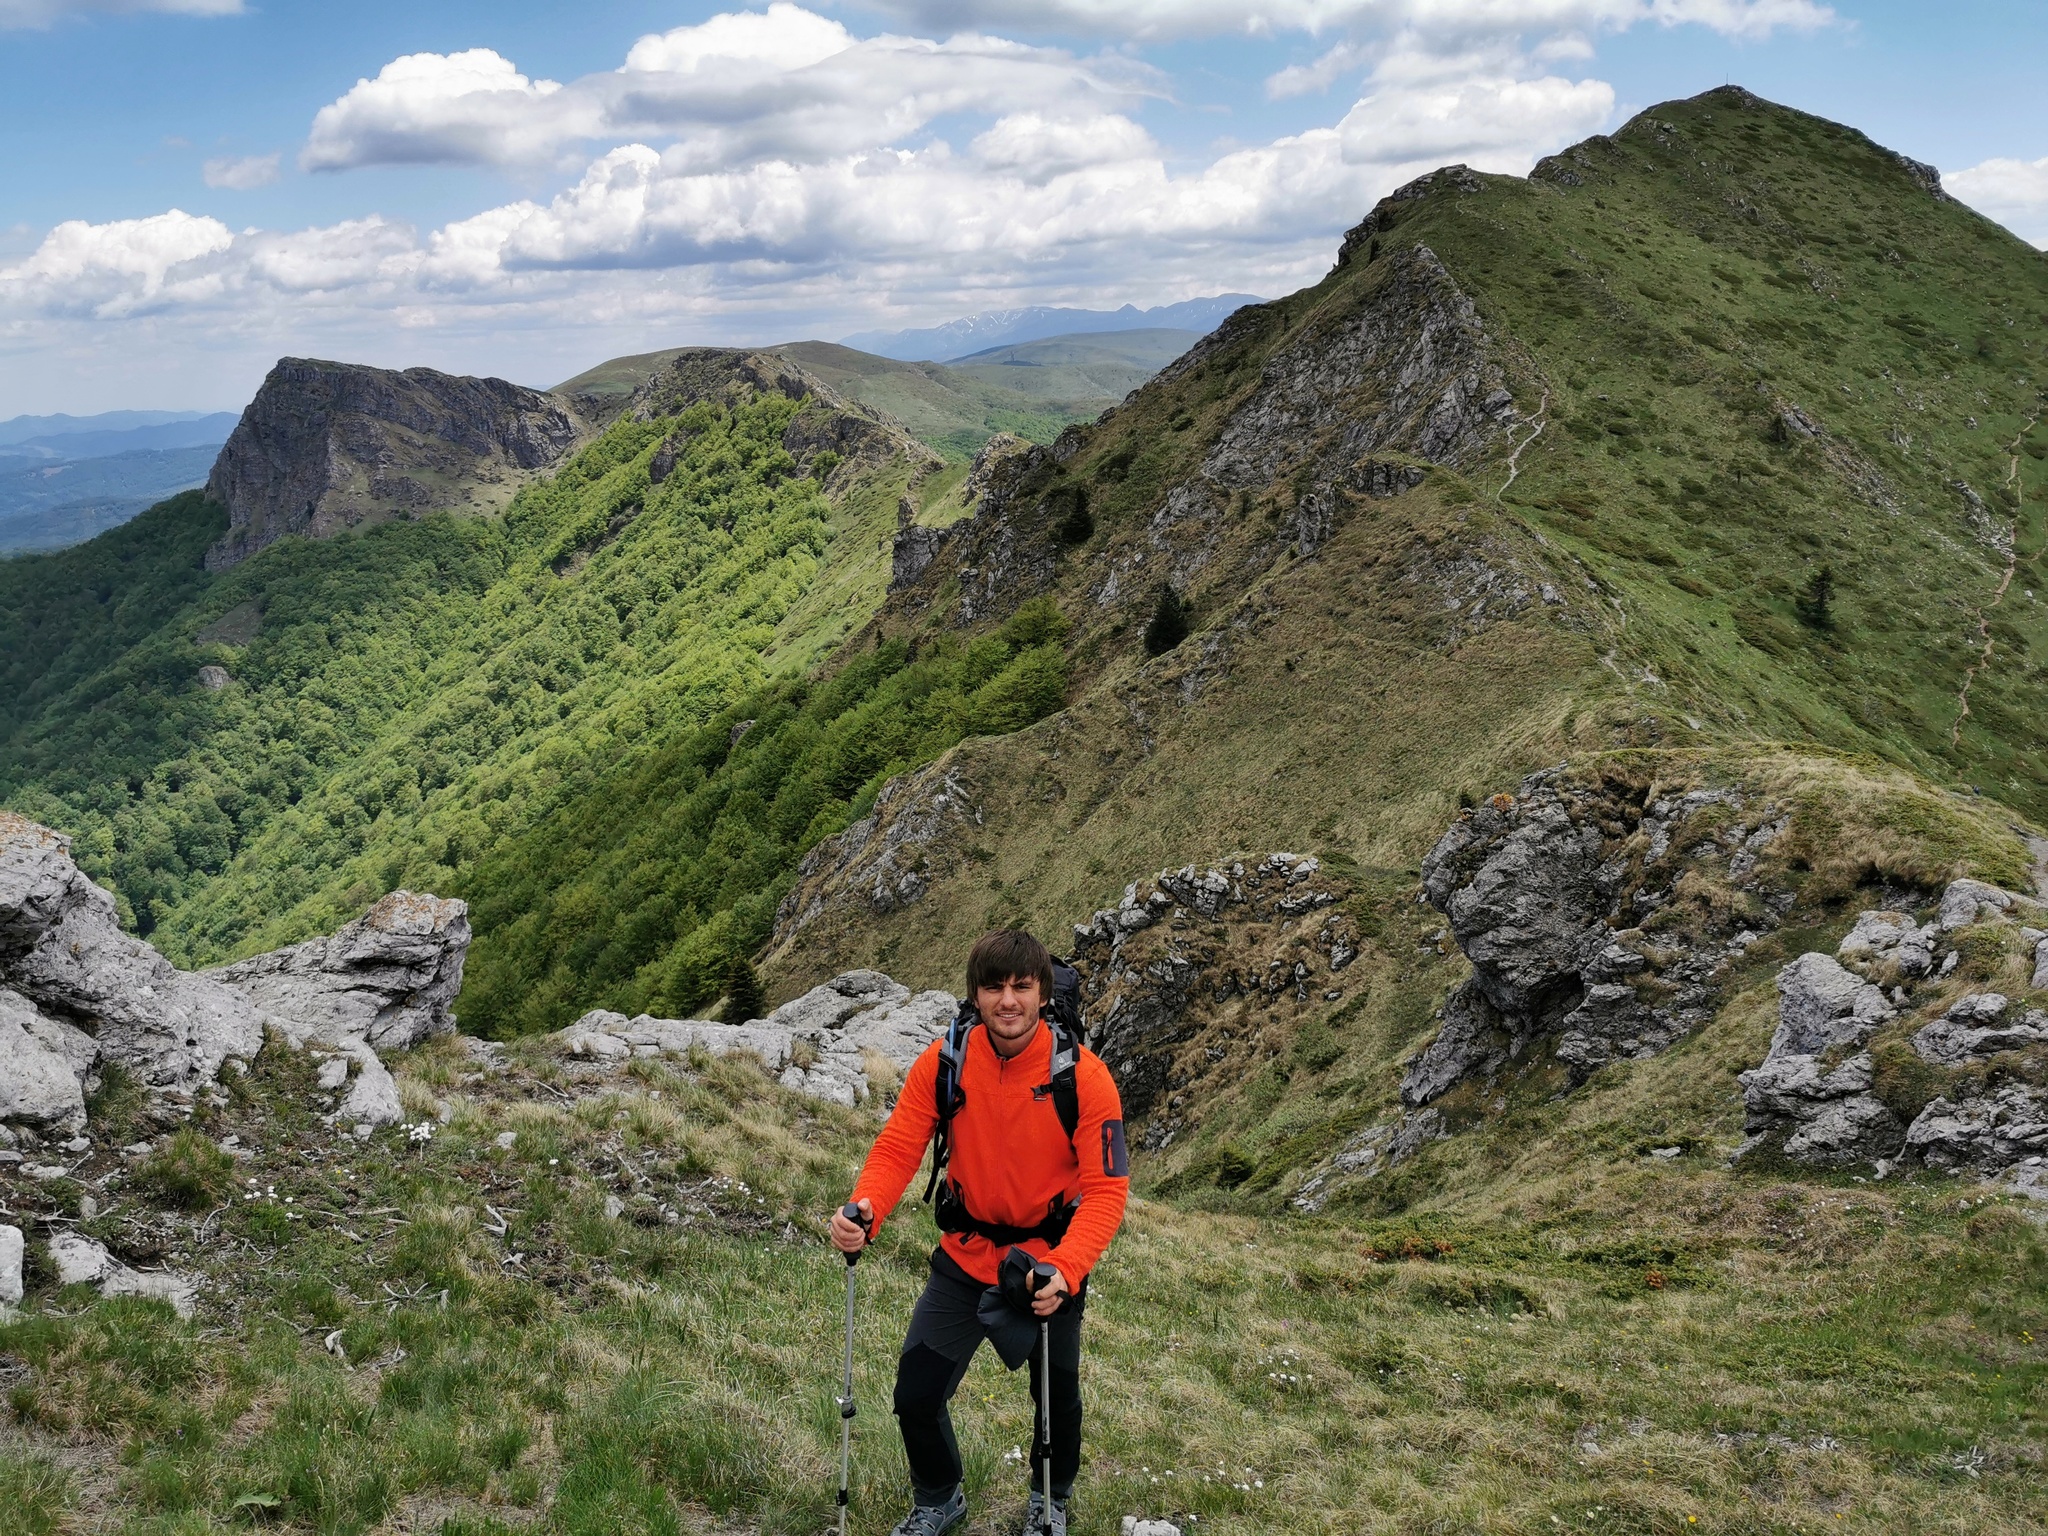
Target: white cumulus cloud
737,89
786,37
115,269
474,106
2014,192
241,173
1037,148
1488,123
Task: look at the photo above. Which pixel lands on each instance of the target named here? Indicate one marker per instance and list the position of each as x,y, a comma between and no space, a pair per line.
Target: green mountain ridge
954,408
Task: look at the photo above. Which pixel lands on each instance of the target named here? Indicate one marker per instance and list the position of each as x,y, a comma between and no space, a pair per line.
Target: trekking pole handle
852,1213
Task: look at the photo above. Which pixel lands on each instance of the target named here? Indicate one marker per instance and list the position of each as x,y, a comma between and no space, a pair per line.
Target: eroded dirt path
2012,560
1536,425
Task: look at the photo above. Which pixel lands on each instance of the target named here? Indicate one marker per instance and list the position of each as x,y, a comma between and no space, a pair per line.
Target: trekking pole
852,1213
1040,1275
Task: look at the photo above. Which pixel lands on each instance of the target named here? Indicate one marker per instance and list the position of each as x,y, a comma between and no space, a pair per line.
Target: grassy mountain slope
1625,566
1728,375
600,1307
954,411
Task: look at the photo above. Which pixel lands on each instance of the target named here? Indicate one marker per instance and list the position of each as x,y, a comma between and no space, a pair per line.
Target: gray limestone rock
1987,1133
1522,914
1821,1006
79,991
1971,901
1531,884
819,1044
325,446
830,1005
79,1260
1823,1116
61,947
12,1248
1822,1113
1976,1026
37,1084
1894,934
391,976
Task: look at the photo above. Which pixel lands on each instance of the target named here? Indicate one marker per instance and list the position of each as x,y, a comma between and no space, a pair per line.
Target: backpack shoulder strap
947,1090
1066,1097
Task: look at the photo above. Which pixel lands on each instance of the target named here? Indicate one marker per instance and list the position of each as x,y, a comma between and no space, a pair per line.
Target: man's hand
1047,1298
848,1236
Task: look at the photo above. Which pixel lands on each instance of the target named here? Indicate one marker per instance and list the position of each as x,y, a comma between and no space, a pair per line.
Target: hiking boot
936,1519
1038,1522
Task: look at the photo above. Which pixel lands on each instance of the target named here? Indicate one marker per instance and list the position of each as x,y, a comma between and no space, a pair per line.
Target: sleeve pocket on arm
1116,1162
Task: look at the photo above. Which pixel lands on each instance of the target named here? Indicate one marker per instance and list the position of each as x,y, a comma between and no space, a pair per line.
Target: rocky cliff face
1584,911
327,446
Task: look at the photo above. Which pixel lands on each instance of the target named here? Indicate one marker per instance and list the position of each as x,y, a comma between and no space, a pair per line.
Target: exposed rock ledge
78,995
826,1043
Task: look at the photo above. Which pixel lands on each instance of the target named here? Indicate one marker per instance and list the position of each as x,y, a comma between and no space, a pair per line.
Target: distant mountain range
1009,327
65,478
48,438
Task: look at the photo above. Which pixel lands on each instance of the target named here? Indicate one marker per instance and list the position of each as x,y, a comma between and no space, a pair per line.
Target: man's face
1009,1012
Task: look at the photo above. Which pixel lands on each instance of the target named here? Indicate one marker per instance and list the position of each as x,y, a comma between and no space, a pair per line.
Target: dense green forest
436,704
636,892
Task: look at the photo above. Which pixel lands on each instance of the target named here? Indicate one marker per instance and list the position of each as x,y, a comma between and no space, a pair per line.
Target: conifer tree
743,999
1816,601
1169,625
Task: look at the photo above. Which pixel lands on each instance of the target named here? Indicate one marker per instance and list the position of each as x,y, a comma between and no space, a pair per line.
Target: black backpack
1069,1033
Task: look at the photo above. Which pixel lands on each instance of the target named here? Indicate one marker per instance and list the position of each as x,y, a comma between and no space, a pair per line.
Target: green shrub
188,1171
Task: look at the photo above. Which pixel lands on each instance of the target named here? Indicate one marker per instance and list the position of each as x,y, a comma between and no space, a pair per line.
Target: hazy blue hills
49,438
51,504
1006,327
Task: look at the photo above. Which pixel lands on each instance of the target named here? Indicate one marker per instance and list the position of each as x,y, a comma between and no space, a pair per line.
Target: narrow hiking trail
1536,430
2012,560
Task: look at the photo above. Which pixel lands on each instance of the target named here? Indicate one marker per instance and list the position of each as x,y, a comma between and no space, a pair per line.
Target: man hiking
1033,1160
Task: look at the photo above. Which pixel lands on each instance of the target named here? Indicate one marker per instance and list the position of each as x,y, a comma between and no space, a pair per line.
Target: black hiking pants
944,1334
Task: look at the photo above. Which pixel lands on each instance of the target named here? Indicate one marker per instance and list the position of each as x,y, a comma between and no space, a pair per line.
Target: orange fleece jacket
1010,1153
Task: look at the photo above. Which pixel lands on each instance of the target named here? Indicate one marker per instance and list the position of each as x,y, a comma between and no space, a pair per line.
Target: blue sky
196,187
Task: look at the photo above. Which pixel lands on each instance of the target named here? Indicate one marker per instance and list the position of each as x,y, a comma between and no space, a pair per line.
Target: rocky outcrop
1813,1090
885,860
81,1260
1409,368
62,950
78,995
328,446
824,1043
390,977
1968,1088
1554,895
12,1248
1167,999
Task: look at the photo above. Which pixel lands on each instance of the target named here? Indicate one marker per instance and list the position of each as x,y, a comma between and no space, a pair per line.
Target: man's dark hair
1006,954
